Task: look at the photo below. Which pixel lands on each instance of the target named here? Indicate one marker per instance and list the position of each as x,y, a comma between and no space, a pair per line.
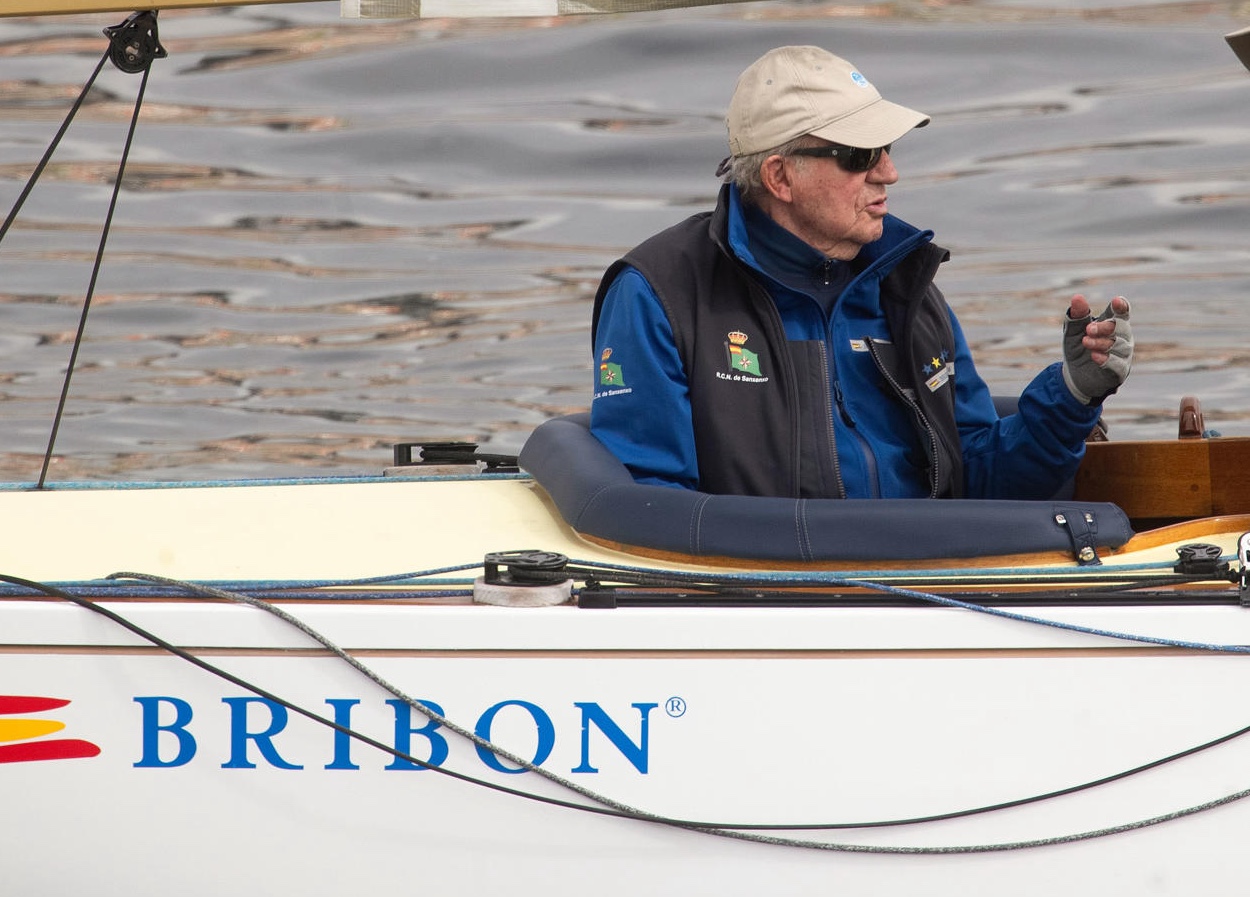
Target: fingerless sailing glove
1089,381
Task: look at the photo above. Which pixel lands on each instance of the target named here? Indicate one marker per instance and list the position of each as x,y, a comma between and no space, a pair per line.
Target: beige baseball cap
1240,42
792,91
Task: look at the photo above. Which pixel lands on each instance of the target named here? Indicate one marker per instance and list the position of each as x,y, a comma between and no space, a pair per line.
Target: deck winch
1200,559
524,578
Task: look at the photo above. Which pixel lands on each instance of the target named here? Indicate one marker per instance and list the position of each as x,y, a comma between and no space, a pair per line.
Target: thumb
1116,309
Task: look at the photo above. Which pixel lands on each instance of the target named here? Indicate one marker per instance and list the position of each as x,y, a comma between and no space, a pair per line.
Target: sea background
335,235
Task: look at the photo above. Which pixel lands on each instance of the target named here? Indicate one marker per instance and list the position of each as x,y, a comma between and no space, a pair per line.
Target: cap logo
860,79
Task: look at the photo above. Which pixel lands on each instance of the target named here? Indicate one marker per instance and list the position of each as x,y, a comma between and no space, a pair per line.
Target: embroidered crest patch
610,374
742,359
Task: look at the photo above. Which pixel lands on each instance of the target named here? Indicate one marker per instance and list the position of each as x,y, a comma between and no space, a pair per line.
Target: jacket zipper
915,408
833,438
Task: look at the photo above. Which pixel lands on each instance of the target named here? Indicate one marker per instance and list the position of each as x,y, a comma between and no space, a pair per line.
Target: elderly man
792,342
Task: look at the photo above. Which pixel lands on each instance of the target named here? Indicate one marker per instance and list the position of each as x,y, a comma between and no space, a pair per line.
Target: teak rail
1164,481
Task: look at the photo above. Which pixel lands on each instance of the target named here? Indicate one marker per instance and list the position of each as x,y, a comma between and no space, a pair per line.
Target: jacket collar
728,226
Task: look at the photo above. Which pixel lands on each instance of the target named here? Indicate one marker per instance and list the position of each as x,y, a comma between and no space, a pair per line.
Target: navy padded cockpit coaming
596,496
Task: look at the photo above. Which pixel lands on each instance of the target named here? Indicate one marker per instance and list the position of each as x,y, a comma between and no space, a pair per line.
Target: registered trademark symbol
675,707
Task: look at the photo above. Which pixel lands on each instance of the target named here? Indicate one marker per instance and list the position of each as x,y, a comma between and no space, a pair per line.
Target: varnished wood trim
695,562
1168,479
1188,531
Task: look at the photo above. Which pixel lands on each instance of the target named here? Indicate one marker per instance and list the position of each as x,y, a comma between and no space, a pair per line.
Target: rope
424,709
806,579
743,833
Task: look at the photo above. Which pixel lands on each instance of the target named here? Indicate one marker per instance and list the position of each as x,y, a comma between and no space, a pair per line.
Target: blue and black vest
776,437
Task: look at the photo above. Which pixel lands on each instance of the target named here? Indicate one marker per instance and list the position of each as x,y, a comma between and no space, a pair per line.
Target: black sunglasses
849,158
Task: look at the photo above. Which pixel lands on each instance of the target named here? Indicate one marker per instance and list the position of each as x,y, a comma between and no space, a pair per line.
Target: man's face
833,210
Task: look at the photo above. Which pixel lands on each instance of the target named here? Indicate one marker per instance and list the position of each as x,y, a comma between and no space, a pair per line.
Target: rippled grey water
335,235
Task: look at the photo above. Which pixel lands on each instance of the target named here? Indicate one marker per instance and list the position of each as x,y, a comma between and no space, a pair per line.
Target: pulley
134,43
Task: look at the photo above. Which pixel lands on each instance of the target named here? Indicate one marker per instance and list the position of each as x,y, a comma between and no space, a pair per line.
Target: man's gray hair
744,171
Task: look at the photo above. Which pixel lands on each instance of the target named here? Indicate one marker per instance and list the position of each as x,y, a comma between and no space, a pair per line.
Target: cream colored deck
342,530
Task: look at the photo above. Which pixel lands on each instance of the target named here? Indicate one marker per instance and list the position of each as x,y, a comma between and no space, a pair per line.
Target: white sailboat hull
730,715
236,796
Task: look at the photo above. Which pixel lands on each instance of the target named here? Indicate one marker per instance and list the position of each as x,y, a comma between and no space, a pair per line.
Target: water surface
335,235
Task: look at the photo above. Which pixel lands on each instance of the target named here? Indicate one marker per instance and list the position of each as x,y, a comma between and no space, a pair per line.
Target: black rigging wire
133,46
47,155
95,272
